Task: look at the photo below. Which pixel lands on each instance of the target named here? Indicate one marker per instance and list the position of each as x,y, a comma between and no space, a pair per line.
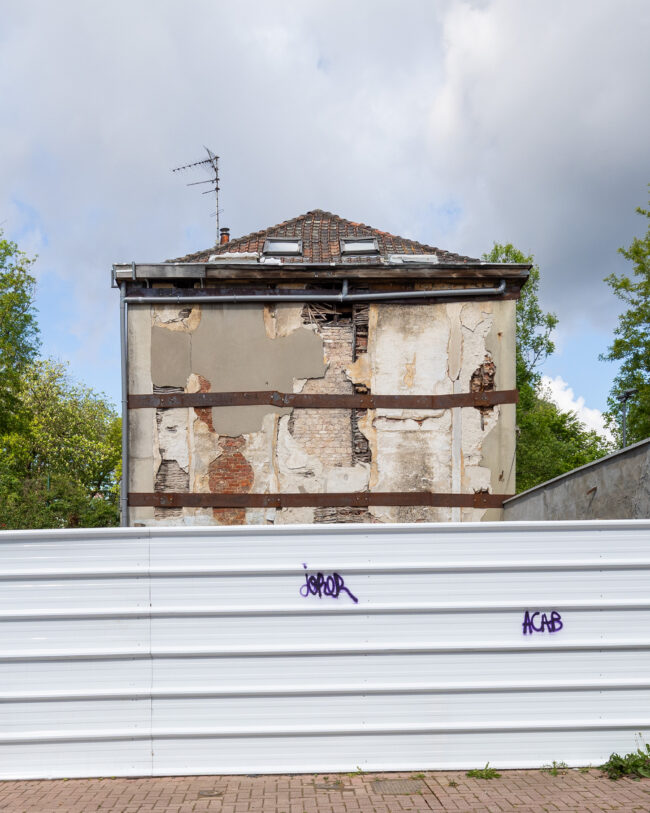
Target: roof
320,233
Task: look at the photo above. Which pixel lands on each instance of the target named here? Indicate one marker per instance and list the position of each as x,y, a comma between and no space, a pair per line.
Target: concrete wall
615,487
382,348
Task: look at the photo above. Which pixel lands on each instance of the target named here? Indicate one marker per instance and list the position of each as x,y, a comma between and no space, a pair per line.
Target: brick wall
327,433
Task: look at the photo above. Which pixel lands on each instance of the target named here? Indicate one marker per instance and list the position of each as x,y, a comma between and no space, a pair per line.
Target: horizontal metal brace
364,499
169,400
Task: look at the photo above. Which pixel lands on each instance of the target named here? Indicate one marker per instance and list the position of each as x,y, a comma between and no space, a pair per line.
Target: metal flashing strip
364,499
325,650
323,690
465,727
274,398
601,565
440,608
232,267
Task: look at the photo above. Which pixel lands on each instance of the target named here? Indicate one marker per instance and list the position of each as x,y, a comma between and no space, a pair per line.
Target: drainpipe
124,482
343,296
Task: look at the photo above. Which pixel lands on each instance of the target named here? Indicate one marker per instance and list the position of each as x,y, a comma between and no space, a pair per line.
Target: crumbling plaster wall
411,349
437,349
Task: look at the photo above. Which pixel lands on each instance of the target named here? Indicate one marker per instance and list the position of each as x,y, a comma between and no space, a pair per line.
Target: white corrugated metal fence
222,650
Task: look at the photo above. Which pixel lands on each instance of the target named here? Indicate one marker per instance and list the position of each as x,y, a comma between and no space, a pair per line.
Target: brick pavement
529,791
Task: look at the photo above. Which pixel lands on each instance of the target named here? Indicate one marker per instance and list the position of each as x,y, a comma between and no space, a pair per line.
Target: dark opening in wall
326,312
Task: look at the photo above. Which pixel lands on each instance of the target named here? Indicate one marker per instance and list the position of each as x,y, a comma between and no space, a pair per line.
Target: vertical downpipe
124,484
456,452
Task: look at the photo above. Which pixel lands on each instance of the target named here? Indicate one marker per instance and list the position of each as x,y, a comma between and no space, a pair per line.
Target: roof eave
234,270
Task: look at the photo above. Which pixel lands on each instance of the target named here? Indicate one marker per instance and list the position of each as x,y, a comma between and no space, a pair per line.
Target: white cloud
456,123
562,394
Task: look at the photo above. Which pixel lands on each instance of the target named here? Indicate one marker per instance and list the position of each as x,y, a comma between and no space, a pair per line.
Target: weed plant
635,765
556,768
483,773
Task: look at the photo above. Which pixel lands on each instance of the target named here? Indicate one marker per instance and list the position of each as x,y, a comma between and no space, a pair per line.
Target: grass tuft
556,768
483,773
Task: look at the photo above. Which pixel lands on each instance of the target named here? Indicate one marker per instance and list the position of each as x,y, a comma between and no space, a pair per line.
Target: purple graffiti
318,584
546,624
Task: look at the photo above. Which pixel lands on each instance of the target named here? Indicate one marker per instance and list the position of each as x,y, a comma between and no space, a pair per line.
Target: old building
318,371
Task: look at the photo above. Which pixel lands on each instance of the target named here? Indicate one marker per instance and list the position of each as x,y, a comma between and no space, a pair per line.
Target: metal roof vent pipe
224,236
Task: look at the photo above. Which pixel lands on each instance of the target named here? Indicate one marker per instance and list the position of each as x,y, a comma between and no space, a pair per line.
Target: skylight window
359,245
413,258
282,246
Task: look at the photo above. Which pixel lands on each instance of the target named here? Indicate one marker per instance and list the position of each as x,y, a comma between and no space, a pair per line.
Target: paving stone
452,792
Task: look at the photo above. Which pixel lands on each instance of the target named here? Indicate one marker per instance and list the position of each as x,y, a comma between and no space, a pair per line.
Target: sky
457,123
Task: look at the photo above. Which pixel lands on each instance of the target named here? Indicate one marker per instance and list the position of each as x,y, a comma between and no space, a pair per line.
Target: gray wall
615,487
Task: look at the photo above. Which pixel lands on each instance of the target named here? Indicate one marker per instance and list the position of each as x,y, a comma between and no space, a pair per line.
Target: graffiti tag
319,584
545,624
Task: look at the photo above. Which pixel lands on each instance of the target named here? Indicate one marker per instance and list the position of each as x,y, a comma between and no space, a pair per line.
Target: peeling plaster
298,471
444,447
173,317
282,319
232,349
348,478
170,357
423,349
173,436
455,344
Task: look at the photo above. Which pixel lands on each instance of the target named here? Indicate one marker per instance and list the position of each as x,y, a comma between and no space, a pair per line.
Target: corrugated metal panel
170,651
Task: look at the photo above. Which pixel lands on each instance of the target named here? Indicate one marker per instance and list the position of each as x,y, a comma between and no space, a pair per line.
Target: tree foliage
19,340
534,327
631,344
59,442
549,442
61,468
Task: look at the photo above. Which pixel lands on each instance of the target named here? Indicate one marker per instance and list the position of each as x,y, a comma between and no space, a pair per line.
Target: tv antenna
212,163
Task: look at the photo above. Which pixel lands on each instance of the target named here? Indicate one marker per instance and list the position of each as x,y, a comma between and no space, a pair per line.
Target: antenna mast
212,162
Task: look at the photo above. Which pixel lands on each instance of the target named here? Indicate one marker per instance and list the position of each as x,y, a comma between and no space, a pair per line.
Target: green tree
631,344
534,327
19,340
59,469
549,442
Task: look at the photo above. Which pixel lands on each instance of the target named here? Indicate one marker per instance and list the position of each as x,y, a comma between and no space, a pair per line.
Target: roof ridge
246,237
338,227
260,232
305,216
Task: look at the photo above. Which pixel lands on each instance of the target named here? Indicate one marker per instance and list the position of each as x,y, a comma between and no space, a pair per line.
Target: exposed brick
327,434
204,413
230,473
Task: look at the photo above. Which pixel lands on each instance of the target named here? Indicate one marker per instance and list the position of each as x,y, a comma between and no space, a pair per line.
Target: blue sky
454,123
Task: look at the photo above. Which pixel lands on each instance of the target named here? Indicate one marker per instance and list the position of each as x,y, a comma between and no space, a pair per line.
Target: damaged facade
318,371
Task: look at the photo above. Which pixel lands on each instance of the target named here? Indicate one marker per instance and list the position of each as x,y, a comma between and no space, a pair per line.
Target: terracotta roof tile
320,233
